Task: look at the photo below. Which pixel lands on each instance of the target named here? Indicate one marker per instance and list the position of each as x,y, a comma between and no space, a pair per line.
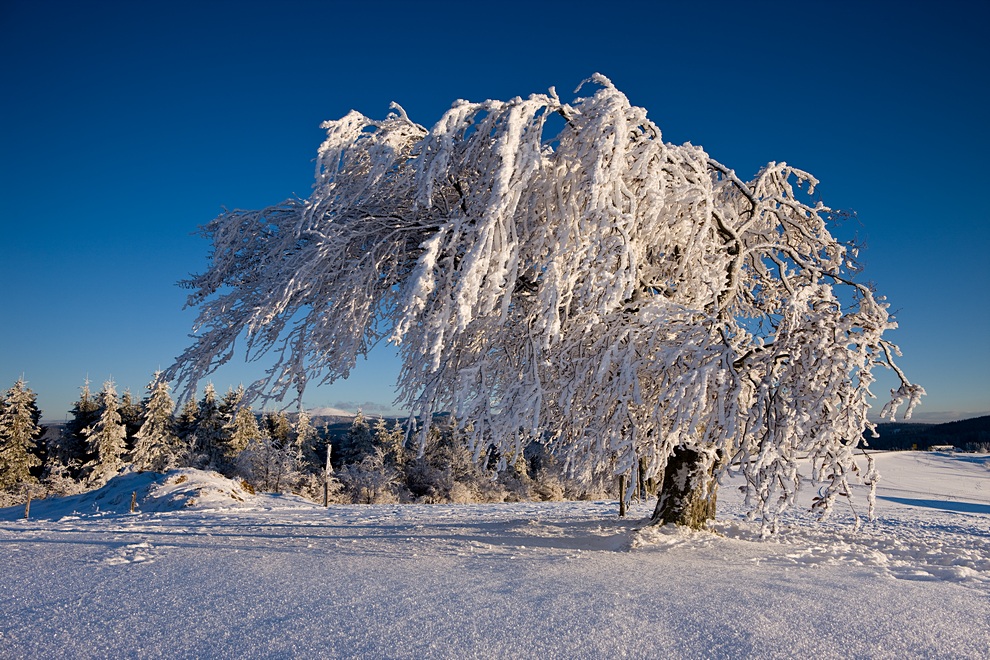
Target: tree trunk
622,496
688,492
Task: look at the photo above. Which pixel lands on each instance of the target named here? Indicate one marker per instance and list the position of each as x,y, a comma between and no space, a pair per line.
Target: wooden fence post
622,496
327,471
643,493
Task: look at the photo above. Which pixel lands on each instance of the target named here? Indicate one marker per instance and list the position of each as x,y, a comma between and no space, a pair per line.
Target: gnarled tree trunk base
688,492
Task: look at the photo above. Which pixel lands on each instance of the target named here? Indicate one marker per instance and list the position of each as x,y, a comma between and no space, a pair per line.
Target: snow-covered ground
205,569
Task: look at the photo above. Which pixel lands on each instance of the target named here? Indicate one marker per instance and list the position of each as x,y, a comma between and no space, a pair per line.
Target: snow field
234,574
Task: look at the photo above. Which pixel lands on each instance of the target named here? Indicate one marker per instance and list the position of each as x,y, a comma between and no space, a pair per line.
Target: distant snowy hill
327,411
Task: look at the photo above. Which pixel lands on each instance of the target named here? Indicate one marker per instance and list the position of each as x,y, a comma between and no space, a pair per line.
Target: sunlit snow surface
205,569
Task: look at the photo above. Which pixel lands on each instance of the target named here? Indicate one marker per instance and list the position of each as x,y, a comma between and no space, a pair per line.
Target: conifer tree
132,417
209,435
279,428
185,428
157,445
391,440
305,440
358,442
283,454
19,433
73,451
231,402
243,431
228,407
106,439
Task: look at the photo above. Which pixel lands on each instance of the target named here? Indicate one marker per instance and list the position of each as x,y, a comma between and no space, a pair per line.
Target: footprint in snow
131,554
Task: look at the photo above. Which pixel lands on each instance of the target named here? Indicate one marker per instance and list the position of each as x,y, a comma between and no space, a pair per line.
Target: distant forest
326,459
965,435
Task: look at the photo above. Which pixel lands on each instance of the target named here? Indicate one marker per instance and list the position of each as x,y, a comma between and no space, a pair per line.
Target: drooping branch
599,287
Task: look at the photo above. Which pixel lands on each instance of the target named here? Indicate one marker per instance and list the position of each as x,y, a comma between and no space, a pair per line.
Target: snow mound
153,492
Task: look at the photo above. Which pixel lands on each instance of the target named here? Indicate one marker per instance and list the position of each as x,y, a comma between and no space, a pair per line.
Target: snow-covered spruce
19,433
158,447
106,439
592,286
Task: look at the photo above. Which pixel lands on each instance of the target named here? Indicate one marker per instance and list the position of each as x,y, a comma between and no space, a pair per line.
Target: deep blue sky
126,125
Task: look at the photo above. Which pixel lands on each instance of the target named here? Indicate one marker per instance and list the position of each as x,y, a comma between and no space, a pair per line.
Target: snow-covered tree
269,464
132,416
391,440
231,402
357,443
208,439
157,445
243,431
185,428
19,434
634,302
279,427
446,470
306,441
237,431
106,439
371,479
73,448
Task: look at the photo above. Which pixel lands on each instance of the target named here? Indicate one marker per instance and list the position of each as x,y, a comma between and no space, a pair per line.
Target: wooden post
622,496
642,479
133,501
327,471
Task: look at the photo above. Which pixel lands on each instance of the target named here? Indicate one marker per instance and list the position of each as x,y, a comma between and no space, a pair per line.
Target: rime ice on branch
596,288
